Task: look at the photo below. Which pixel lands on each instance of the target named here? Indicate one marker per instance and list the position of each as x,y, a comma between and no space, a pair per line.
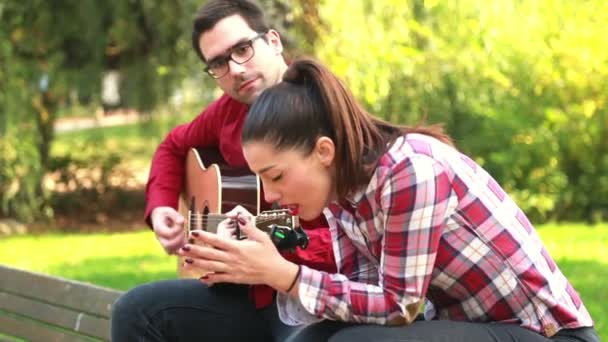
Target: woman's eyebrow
264,169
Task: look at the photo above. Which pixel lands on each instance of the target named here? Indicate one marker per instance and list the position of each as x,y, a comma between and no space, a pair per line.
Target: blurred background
89,88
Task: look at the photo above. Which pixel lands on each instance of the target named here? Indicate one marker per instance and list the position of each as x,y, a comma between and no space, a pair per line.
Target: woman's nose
271,196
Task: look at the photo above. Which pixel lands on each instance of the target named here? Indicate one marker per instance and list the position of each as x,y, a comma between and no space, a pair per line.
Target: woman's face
298,181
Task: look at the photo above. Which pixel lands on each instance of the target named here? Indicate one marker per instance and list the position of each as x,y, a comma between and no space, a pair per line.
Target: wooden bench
39,307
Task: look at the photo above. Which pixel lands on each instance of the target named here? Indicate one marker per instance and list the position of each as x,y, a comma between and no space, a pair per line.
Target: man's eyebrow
229,50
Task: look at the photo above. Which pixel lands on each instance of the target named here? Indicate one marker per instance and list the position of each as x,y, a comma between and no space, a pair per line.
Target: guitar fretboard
209,222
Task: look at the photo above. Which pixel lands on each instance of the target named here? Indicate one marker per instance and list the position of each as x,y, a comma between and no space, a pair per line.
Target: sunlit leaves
521,85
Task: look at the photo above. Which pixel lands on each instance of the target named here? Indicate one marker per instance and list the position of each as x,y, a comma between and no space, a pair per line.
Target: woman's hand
227,229
252,261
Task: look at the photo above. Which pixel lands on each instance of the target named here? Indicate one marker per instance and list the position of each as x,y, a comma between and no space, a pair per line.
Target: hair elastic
293,283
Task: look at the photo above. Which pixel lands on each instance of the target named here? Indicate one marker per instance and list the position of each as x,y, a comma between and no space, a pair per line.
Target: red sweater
220,125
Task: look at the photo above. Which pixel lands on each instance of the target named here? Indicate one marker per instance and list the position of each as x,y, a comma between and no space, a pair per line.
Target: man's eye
241,49
217,64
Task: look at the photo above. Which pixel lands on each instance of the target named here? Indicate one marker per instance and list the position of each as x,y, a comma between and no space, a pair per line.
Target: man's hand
168,226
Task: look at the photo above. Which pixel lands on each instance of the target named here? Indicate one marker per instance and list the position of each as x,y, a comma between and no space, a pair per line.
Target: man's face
244,82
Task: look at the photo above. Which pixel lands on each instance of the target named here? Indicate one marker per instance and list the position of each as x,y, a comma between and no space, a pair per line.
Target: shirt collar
350,202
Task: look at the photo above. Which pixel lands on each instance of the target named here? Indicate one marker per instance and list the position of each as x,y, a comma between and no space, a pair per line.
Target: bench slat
57,316
31,332
75,295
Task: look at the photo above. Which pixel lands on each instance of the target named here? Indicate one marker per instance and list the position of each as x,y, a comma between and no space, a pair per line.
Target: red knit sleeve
167,169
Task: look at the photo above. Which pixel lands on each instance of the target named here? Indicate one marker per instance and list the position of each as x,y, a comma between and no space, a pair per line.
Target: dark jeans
187,310
436,331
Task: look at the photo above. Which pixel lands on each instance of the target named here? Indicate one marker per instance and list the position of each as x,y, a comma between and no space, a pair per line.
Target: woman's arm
414,198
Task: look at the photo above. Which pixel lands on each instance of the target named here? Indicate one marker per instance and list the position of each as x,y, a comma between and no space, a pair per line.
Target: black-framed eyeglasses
240,53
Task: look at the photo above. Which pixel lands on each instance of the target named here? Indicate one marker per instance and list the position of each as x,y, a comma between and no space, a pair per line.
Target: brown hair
312,102
215,10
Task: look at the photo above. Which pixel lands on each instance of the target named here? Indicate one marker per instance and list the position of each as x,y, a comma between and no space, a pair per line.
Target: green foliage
73,43
133,144
52,57
521,86
89,169
20,194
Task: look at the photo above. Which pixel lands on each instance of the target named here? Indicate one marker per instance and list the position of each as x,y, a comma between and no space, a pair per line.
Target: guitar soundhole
205,222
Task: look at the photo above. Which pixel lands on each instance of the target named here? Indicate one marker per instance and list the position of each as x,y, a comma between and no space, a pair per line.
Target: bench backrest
44,308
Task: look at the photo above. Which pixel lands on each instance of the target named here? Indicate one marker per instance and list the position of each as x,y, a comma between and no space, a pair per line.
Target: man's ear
325,150
274,40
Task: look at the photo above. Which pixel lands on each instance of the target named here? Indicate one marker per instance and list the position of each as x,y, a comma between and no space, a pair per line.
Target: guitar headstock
279,217
283,228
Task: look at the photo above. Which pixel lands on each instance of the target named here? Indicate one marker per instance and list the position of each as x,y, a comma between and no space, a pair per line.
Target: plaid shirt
432,224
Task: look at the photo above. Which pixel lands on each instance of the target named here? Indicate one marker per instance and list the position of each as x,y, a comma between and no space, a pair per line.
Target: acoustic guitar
212,187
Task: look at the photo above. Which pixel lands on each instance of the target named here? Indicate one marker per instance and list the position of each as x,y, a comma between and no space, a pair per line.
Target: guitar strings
197,219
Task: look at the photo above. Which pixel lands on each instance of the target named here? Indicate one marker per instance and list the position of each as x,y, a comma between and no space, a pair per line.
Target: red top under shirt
220,125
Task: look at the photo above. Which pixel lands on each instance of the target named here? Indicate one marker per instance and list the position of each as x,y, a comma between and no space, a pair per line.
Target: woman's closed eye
277,178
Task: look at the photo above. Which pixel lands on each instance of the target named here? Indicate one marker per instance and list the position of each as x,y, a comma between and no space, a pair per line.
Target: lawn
119,260
134,143
123,260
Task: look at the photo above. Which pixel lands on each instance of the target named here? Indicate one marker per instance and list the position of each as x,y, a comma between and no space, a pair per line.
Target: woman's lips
293,208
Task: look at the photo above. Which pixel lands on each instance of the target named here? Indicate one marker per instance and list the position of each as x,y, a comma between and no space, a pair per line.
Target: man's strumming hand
168,225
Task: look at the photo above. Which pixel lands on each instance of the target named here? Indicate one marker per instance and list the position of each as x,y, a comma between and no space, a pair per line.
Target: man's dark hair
215,10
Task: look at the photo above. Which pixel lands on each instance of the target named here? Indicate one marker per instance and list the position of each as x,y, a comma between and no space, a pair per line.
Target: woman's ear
325,150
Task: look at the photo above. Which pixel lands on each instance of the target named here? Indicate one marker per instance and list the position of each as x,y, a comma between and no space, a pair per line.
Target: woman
412,220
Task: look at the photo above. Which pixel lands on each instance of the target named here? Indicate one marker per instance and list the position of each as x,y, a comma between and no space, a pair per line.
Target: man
245,57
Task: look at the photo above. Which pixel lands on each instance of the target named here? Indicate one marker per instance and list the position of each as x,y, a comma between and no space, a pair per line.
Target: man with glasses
244,56
240,54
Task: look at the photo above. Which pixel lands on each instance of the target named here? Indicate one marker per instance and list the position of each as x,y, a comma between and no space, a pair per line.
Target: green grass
7,338
119,261
581,252
124,260
134,143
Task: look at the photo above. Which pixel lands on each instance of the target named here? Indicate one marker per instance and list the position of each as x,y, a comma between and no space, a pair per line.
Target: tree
521,86
53,55
55,52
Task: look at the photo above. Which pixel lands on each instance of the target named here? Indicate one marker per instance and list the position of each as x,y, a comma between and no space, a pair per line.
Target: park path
116,118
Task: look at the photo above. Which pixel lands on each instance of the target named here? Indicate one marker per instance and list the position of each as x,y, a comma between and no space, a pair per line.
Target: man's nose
236,68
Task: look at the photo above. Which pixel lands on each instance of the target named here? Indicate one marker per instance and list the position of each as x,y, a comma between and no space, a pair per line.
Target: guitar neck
200,221
210,221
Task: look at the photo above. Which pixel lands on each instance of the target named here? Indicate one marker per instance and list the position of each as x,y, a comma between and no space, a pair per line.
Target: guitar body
213,187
